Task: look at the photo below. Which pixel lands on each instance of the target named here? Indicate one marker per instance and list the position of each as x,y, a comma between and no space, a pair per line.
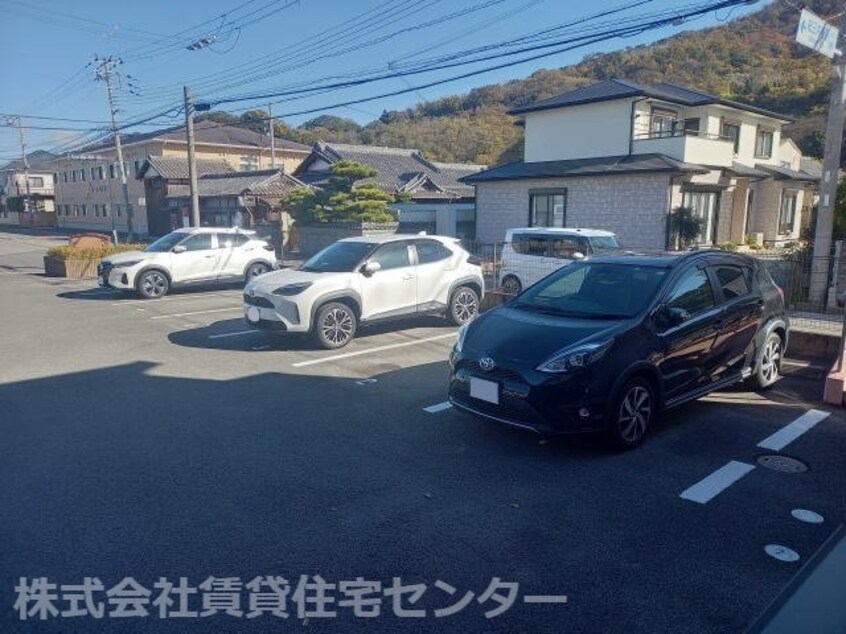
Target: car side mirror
370,267
670,316
578,255
179,248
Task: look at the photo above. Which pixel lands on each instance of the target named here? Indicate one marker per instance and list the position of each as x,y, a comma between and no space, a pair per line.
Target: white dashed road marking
791,432
434,409
359,353
708,488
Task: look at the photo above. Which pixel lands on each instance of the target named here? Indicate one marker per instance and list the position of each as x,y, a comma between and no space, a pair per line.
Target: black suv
606,343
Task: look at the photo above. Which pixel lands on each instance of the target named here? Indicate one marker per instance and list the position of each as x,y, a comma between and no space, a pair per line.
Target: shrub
685,226
728,246
88,253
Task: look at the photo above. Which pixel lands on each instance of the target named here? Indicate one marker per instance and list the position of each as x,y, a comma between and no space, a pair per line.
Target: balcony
690,146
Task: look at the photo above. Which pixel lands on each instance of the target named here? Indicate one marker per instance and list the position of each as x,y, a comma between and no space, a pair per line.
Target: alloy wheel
466,306
154,284
337,326
257,269
770,360
635,413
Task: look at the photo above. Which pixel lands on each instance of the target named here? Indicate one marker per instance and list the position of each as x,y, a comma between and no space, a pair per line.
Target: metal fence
794,271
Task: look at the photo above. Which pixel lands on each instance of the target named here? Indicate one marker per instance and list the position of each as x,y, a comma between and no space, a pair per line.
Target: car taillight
474,260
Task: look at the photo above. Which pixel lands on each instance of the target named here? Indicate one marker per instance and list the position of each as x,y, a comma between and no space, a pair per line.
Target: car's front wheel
463,306
255,269
153,284
511,285
631,413
334,325
768,364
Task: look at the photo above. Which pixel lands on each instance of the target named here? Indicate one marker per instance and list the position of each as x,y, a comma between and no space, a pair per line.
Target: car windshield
341,257
604,243
166,243
594,290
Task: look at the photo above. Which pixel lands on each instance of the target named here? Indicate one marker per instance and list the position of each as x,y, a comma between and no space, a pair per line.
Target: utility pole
831,169
272,136
106,72
28,206
192,159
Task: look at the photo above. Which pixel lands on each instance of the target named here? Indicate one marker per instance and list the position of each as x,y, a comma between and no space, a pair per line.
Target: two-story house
621,156
89,194
27,187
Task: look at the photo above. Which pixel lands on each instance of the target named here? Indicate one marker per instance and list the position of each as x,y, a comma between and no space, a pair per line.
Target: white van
534,252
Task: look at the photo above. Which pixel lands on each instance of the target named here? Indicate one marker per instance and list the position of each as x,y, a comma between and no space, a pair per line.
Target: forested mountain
751,59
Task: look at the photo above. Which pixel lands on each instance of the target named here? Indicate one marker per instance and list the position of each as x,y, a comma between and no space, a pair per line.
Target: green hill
752,59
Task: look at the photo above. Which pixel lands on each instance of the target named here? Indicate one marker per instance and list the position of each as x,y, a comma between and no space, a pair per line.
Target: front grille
262,302
501,375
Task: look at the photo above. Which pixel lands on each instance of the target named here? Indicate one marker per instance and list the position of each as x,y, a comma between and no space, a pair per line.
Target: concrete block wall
634,207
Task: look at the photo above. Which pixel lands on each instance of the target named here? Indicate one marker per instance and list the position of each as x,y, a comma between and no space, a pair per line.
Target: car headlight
462,333
292,289
123,265
570,359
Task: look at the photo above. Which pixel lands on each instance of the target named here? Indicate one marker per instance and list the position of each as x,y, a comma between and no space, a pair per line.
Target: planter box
75,269
314,237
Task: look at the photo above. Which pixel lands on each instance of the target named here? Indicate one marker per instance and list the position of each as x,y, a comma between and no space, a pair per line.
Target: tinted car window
340,257
198,242
430,251
392,256
228,240
733,280
692,292
604,243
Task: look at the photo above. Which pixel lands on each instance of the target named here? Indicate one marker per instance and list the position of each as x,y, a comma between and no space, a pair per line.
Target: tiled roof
399,170
268,182
206,132
176,168
607,165
40,160
811,166
785,173
622,89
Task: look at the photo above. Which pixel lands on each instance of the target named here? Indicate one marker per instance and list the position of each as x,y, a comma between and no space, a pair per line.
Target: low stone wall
314,237
37,219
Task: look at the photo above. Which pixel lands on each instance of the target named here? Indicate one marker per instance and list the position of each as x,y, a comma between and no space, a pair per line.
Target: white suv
533,253
188,256
364,280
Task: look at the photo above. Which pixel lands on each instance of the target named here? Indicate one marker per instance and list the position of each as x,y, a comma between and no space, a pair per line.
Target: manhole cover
784,464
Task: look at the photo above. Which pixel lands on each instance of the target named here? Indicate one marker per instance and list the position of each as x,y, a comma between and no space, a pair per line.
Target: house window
548,209
36,181
705,205
731,131
55,177
93,173
76,210
73,175
787,214
750,200
117,210
64,177
764,143
137,167
83,209
691,126
112,168
82,174
249,163
662,123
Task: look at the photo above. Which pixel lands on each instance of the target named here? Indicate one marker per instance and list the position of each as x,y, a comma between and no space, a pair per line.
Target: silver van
532,253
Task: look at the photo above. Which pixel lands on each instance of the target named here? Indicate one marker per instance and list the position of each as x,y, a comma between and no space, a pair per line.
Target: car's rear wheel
153,284
768,364
631,413
511,285
255,269
463,306
334,325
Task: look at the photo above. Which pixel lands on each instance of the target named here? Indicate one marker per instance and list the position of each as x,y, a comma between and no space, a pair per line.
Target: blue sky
262,46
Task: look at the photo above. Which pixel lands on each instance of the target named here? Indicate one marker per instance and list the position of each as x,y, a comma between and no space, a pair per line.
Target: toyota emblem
486,363
252,292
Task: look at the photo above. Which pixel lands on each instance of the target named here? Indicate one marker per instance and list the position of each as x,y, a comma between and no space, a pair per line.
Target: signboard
817,34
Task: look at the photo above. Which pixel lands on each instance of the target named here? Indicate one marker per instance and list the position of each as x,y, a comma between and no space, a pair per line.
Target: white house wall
591,130
634,207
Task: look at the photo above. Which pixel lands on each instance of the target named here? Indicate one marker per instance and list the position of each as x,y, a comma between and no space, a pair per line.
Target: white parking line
359,353
176,298
199,312
232,334
708,488
791,432
434,409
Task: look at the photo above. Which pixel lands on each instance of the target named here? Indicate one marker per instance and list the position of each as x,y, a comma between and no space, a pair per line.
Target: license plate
253,314
484,390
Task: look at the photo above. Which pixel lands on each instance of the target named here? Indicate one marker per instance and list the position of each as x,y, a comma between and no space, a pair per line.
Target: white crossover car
364,280
187,256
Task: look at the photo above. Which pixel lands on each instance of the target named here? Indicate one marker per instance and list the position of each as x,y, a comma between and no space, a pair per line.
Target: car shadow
232,334
101,293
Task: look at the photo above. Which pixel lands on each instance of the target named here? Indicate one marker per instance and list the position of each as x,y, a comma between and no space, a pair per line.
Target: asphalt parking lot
151,439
